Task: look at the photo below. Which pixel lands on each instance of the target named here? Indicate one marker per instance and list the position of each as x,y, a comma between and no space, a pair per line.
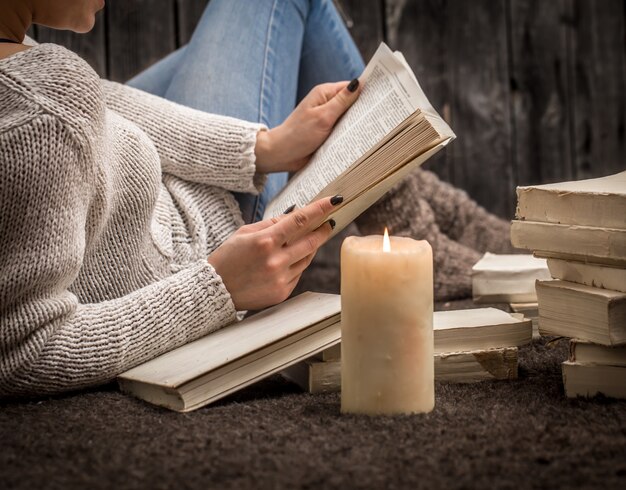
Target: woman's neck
15,19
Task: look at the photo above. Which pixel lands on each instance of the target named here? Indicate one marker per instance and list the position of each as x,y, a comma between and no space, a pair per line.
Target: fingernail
289,209
338,199
353,85
332,223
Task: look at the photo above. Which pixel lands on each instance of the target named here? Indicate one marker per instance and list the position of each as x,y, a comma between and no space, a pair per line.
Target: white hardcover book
507,278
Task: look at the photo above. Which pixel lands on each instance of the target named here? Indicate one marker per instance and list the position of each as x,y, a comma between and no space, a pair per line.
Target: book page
390,94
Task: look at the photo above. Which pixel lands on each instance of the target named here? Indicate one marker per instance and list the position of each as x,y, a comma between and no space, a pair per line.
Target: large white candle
387,361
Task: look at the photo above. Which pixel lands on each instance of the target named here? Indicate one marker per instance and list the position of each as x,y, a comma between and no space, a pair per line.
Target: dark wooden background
534,89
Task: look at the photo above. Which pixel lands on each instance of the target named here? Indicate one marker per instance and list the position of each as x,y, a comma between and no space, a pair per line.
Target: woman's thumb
344,98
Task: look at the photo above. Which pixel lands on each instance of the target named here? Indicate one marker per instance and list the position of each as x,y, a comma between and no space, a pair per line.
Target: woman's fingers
308,244
300,222
299,267
262,225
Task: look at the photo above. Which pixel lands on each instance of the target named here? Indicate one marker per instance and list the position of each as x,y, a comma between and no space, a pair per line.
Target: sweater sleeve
193,145
49,341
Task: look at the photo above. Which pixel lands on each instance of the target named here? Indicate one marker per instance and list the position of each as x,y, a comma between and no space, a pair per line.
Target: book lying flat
390,130
507,278
316,376
596,275
479,329
590,353
529,311
588,380
593,202
573,310
573,242
467,330
238,355
331,354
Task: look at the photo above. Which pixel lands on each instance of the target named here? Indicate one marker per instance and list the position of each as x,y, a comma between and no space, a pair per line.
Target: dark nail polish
353,85
289,209
332,223
338,199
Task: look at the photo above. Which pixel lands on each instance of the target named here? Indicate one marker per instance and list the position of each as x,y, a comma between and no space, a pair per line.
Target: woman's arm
217,150
50,341
193,145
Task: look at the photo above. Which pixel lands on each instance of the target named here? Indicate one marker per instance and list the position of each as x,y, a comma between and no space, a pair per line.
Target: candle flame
386,242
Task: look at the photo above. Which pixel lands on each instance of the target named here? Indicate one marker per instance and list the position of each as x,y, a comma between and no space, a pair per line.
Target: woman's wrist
263,151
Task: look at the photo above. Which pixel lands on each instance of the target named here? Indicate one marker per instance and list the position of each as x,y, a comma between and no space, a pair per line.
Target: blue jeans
255,60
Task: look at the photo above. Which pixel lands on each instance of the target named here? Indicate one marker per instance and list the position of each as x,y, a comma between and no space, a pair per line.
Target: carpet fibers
518,434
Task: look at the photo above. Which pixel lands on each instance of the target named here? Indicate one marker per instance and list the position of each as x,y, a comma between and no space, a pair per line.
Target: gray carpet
520,434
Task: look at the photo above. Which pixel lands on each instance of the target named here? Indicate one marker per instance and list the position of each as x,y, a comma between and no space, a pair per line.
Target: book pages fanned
389,130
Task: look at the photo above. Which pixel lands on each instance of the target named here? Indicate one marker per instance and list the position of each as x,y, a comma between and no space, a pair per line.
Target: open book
390,130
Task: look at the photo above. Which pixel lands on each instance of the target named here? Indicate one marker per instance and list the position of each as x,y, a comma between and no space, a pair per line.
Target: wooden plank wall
535,89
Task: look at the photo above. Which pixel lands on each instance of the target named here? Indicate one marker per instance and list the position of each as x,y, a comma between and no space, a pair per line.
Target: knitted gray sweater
111,200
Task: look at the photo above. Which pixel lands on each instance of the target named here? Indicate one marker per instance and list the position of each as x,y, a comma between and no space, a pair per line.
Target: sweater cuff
256,180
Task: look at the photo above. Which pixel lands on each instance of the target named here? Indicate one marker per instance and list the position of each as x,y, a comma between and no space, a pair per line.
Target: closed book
316,376
599,202
331,354
590,353
598,276
236,356
573,310
507,278
468,330
571,242
479,329
588,380
529,311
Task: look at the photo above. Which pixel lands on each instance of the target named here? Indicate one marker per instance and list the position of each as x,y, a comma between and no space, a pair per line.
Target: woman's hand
261,263
289,146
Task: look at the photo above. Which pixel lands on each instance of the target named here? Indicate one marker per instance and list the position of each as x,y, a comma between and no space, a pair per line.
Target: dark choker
5,40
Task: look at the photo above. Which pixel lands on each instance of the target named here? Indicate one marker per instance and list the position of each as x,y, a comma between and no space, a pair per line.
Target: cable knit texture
111,200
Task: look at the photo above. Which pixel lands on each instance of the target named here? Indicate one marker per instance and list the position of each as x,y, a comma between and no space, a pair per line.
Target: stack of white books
580,228
470,345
